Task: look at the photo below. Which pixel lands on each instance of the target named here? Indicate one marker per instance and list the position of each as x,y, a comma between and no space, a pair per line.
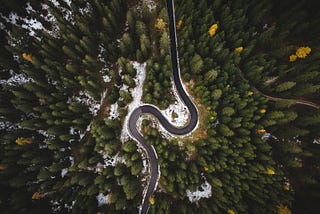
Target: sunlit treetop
213,29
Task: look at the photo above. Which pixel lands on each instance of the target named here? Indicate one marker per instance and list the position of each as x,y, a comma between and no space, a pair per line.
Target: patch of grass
201,130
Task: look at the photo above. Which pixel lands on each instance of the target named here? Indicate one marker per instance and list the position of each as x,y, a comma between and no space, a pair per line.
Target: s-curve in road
149,109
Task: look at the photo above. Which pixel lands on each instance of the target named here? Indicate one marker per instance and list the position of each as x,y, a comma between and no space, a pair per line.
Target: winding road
150,109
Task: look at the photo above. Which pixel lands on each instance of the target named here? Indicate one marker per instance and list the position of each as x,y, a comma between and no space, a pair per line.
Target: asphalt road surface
149,109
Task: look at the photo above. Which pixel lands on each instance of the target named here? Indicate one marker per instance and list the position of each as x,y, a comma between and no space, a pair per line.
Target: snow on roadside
181,113
136,94
198,194
177,114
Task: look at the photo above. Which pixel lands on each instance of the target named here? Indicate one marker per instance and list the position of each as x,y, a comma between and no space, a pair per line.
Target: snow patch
81,134
16,79
177,114
102,199
151,4
103,96
32,25
136,93
8,126
124,87
55,206
64,172
87,9
71,160
29,24
106,78
72,131
53,21
215,124
267,135
67,14
111,161
69,207
145,165
113,114
68,2
105,70
204,192
86,99
46,136
181,115
13,17
108,161
271,80
2,27
316,141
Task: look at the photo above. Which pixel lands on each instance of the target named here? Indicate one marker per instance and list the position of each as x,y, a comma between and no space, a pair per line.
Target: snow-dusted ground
136,94
316,141
151,4
177,113
113,113
204,192
32,24
181,113
16,79
108,161
6,125
85,98
105,70
102,199
64,172
268,135
111,161
81,134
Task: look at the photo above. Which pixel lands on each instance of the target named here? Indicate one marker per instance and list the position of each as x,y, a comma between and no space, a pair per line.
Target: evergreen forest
69,70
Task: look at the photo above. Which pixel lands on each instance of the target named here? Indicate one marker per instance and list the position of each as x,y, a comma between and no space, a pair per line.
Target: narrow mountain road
297,101
150,109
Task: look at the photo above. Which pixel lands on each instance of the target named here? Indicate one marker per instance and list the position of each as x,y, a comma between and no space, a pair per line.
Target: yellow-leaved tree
27,57
161,25
283,209
23,141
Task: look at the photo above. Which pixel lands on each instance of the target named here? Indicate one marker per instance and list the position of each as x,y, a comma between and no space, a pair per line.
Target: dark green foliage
76,153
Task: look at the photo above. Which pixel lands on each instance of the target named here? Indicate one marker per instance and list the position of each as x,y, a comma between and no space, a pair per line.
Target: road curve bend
150,109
